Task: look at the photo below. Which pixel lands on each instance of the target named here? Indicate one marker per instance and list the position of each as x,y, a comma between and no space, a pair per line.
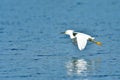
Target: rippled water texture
32,48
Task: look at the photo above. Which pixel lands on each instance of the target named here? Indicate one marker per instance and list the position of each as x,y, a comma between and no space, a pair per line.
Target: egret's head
68,32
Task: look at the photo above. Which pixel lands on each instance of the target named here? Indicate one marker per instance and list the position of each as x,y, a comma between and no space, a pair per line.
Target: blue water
32,48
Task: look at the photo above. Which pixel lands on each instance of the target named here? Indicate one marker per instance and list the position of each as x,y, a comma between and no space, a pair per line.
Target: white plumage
81,38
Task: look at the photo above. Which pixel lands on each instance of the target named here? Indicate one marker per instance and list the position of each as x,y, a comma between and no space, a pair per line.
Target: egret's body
80,38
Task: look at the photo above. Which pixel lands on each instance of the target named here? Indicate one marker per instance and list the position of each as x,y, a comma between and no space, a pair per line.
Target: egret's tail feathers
93,38
98,43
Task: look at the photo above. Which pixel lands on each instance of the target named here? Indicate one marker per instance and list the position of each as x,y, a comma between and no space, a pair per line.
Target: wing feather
81,41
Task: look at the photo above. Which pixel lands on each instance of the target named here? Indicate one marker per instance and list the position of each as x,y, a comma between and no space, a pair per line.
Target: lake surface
32,48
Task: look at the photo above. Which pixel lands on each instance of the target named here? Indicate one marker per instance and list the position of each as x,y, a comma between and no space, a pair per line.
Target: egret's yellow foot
98,43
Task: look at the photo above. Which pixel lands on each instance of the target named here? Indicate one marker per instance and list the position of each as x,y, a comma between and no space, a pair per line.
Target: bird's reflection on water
77,67
81,67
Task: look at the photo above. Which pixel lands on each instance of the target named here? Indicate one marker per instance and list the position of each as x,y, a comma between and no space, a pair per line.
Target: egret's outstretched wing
81,41
74,40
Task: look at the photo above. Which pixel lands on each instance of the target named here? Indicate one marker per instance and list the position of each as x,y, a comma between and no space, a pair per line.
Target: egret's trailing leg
94,41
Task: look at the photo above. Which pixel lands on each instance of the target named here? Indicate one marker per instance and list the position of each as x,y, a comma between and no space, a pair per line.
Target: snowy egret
80,38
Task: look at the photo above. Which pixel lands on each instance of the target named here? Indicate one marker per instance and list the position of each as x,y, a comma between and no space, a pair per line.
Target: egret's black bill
62,32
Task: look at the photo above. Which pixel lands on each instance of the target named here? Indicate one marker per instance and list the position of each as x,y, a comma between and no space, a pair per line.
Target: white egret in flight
81,39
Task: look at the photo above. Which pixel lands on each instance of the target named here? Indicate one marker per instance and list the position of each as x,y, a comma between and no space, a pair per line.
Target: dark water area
32,48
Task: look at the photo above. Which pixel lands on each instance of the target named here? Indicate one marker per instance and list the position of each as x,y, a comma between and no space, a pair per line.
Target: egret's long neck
72,36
